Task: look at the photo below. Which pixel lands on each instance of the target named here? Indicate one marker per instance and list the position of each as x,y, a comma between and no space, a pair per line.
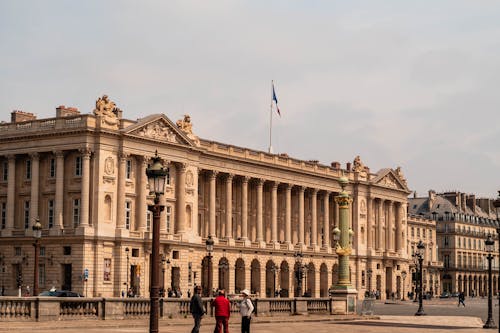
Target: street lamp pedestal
344,299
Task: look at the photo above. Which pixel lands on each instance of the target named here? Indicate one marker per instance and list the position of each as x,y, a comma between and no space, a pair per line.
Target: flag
275,100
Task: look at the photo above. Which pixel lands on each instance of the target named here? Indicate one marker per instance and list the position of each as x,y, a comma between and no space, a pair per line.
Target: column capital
212,174
85,151
301,188
58,153
182,166
288,187
275,185
11,157
229,177
245,179
260,182
314,191
123,156
35,156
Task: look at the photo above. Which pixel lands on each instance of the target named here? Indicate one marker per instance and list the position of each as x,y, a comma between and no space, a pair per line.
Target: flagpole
271,121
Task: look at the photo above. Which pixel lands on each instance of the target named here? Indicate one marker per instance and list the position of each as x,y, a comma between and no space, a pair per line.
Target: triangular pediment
388,178
158,128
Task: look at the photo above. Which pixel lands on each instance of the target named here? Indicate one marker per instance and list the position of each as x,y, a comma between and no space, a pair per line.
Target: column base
84,230
55,232
262,244
344,299
6,232
122,232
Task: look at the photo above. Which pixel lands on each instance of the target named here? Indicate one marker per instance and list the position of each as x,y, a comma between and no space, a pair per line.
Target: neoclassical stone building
83,176
463,224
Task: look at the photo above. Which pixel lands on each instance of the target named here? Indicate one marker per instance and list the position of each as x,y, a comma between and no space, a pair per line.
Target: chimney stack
18,116
63,111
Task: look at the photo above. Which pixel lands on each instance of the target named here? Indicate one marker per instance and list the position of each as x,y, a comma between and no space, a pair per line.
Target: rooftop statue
105,107
357,165
400,175
185,124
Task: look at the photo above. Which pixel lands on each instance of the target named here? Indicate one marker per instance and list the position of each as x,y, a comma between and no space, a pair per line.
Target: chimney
18,116
414,194
335,165
348,166
463,201
484,203
62,111
471,202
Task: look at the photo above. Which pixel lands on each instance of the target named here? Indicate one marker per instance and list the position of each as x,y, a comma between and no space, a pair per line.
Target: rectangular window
17,251
169,218
28,170
412,232
76,213
67,250
418,232
3,214
167,178
149,219
78,166
42,251
26,214
107,269
128,171
5,171
128,214
50,213
52,168
41,275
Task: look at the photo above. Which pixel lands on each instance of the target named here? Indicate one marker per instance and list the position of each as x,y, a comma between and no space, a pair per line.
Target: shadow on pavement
402,325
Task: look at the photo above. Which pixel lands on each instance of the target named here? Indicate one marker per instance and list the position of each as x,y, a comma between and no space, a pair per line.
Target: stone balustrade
74,308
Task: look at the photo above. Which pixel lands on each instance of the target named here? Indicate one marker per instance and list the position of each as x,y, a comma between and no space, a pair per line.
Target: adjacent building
83,176
463,224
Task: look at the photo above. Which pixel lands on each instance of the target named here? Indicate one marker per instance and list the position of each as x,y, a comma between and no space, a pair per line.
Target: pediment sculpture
400,175
158,131
186,126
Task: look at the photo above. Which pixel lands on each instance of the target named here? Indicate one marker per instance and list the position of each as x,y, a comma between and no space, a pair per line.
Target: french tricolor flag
275,100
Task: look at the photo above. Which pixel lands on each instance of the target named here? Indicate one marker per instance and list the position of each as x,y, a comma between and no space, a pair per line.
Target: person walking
461,299
196,309
222,311
246,309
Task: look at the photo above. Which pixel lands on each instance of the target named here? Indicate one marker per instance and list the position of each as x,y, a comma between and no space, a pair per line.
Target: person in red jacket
222,308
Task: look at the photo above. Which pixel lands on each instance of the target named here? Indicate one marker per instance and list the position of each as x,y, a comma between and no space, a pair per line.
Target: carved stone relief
158,131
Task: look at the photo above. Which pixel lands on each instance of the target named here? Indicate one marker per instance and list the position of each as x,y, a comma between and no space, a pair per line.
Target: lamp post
343,236
369,273
298,273
156,174
127,270
209,245
490,244
496,203
37,233
403,275
419,254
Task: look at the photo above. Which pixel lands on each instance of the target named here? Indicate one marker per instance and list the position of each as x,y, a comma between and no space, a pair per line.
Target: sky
400,83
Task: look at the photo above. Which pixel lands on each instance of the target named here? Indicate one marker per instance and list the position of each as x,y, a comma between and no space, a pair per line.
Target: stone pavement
288,324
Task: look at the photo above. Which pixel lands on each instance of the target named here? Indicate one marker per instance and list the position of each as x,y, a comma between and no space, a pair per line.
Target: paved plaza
442,316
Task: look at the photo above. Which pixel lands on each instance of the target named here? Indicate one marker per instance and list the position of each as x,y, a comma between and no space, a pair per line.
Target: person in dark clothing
196,309
461,299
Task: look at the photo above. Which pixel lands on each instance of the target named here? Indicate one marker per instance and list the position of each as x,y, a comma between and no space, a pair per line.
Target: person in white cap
246,309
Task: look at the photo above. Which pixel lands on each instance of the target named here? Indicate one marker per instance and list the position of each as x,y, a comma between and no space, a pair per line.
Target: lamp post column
37,233
490,243
496,204
420,257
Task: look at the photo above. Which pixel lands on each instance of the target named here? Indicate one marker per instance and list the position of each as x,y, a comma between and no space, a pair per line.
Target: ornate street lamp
299,272
403,275
37,233
209,245
490,245
496,203
419,254
156,174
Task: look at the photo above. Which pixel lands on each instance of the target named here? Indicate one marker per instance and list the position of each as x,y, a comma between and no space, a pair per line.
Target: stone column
326,218
369,223
314,218
244,208
388,227
274,213
260,185
181,198
35,182
11,194
380,244
288,214
84,214
59,198
212,180
398,226
120,196
301,215
143,193
229,206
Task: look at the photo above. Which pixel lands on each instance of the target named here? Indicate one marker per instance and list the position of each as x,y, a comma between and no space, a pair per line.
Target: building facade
463,224
423,229
83,176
